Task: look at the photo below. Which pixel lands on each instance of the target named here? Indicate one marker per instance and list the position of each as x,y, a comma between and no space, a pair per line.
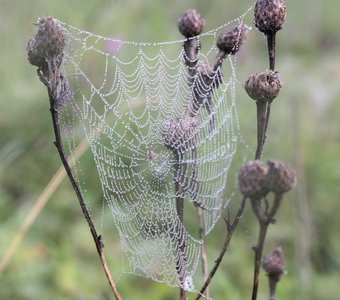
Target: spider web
123,93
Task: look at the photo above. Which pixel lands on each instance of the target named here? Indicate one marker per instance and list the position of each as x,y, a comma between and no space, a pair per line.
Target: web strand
123,94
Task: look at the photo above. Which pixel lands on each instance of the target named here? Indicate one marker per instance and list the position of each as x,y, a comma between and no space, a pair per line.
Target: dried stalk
231,226
203,248
265,217
179,178
51,81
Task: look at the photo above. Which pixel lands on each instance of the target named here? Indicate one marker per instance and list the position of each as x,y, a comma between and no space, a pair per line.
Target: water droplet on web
123,92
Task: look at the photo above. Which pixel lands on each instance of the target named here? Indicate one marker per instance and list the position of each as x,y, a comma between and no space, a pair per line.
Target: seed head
191,23
269,15
179,134
252,179
263,86
231,40
280,177
273,263
47,44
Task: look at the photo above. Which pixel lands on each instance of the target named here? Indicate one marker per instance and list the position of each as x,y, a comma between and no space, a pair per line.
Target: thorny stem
231,226
51,84
179,178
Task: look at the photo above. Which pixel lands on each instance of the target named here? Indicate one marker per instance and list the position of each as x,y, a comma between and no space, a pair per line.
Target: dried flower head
191,23
252,179
273,263
269,15
47,44
280,177
263,86
179,134
231,40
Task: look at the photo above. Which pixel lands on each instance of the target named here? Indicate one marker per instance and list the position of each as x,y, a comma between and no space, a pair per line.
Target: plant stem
258,249
272,286
231,228
179,178
271,43
53,98
262,121
203,249
264,220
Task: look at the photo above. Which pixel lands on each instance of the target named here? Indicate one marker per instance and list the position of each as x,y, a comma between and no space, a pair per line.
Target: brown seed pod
231,40
252,179
269,15
280,177
263,86
179,134
273,263
48,43
191,23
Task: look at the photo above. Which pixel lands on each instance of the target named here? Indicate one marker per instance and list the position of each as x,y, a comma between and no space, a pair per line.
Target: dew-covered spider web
151,148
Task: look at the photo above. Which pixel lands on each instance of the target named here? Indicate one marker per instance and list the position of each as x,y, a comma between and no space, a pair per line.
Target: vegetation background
57,258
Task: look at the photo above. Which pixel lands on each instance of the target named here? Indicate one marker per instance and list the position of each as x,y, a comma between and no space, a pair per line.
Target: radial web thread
122,94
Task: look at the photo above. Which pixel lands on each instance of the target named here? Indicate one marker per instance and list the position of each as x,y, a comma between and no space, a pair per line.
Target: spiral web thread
122,94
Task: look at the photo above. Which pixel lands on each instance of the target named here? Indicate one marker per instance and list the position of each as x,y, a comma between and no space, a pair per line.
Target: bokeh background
57,258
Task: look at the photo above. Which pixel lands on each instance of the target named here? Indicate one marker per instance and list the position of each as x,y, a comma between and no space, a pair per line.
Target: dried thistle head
269,15
263,86
280,177
191,23
179,134
273,263
47,44
232,39
252,179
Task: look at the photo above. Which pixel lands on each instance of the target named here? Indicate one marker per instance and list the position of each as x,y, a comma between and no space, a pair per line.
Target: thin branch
262,124
179,178
264,219
203,248
258,255
218,261
50,79
271,43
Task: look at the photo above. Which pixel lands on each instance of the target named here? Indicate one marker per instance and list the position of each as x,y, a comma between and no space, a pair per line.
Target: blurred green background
57,257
